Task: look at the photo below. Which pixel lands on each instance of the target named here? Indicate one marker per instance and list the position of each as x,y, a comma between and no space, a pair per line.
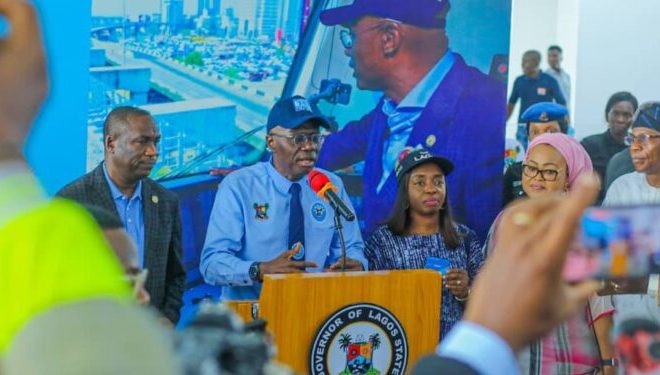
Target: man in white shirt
643,185
555,71
640,187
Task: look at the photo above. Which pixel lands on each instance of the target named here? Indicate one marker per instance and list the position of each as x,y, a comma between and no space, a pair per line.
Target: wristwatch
254,271
613,362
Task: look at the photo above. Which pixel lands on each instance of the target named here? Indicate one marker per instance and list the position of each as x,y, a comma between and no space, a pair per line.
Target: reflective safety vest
51,252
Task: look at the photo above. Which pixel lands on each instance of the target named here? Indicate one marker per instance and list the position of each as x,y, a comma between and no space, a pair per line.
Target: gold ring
522,219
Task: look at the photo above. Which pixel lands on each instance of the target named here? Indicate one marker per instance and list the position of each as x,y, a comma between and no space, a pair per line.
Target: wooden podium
329,323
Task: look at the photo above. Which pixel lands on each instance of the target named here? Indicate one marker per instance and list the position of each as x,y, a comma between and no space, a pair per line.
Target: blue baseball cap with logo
422,13
293,112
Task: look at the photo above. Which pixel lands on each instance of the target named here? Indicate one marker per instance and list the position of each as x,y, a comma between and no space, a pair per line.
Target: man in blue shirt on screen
266,218
431,98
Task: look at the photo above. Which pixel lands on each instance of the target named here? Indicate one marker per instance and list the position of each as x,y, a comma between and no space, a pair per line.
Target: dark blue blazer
464,121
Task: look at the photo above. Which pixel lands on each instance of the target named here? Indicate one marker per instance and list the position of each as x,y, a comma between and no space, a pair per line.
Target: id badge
438,264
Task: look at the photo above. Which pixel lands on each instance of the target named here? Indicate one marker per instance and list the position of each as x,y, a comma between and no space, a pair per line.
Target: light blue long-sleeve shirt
130,212
479,348
249,222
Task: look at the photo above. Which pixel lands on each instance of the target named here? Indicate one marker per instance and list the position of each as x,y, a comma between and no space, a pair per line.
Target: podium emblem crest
363,339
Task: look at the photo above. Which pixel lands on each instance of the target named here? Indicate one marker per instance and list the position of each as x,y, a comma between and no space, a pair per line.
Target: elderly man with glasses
641,187
266,218
432,98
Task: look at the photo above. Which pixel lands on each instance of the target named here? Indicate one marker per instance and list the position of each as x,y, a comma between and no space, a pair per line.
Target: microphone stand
339,227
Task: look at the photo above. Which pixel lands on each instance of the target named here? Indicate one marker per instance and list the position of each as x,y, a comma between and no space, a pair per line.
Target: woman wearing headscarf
421,226
580,345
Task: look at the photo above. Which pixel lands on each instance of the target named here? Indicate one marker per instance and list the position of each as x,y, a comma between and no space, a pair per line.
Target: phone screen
4,27
616,243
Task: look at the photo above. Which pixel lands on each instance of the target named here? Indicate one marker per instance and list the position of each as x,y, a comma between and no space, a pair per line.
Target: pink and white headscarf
577,159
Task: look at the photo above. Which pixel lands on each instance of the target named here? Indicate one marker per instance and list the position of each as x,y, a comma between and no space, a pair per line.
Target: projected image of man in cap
384,37
430,94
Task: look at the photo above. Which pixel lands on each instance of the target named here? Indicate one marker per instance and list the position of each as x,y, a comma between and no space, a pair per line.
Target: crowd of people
80,270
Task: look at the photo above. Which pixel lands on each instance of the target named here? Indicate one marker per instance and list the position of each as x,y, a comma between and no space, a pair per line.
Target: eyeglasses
643,139
301,139
346,36
136,281
546,174
420,183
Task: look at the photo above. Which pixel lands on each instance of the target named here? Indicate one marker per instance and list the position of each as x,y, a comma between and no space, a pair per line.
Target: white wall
619,49
529,32
609,46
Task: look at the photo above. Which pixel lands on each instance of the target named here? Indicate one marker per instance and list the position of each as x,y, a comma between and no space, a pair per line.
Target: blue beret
544,112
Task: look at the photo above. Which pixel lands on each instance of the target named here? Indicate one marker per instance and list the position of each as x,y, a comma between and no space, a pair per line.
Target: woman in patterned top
552,164
421,226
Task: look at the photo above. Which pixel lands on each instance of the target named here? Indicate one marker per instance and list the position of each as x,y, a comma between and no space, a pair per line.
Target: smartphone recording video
616,243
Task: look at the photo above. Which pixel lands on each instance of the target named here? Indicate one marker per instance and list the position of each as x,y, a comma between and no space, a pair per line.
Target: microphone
322,186
638,346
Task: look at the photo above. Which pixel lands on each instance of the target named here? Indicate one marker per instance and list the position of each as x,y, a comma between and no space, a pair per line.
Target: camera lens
654,350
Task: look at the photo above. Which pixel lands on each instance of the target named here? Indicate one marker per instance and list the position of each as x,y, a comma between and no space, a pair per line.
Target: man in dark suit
150,213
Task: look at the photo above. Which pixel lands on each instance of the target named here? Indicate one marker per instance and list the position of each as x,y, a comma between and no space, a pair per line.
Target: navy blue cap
409,158
648,116
293,112
544,112
422,13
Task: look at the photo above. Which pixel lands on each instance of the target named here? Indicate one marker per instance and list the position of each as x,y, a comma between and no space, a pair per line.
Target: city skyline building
269,17
212,7
293,21
173,14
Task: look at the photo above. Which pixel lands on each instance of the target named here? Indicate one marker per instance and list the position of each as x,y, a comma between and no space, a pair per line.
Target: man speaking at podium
266,218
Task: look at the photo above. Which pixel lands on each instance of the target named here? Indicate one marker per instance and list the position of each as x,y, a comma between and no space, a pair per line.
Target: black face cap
409,159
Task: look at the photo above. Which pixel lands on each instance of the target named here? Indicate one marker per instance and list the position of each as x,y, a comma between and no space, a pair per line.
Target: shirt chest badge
260,211
318,211
541,91
430,140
